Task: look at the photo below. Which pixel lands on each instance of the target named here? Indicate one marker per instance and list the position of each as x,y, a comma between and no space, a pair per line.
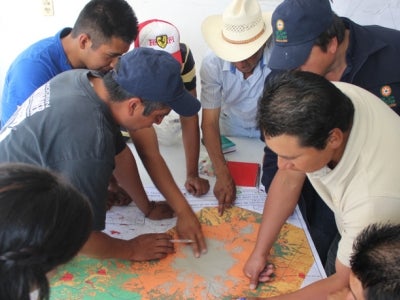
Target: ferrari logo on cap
162,41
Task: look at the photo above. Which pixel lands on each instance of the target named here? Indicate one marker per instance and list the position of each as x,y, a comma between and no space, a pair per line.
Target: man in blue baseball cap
296,24
309,36
72,125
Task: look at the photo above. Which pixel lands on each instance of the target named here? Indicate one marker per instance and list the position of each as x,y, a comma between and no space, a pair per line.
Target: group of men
330,147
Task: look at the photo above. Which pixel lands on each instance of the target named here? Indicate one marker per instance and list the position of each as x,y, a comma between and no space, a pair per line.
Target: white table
248,149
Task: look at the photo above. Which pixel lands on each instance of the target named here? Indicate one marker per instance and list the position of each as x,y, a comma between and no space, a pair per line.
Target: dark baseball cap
155,75
296,25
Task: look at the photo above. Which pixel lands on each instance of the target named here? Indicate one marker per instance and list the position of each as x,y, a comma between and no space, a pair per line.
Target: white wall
22,22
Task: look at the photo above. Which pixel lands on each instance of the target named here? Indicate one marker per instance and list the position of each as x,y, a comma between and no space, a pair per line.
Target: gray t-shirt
64,126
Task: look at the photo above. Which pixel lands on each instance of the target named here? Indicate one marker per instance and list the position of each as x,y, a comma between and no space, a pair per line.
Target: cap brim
185,105
212,33
284,57
178,56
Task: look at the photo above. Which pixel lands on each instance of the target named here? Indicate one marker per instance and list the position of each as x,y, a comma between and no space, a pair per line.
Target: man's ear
84,41
336,138
133,104
333,45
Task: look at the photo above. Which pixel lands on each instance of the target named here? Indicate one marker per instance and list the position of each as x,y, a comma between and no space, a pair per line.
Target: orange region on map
215,275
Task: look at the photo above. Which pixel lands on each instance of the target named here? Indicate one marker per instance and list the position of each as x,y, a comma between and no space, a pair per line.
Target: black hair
104,19
376,261
304,105
336,29
44,222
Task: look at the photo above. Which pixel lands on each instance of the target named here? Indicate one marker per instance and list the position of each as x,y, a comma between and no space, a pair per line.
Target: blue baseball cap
296,24
155,75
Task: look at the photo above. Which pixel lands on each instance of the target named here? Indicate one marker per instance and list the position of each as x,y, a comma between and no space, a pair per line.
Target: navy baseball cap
155,75
296,25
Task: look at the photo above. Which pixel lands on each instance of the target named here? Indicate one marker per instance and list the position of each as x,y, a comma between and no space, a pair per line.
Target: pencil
181,241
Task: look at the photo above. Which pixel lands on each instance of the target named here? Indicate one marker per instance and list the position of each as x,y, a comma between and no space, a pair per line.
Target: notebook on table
244,173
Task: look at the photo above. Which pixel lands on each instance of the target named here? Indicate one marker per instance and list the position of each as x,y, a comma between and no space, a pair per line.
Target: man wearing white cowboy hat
232,80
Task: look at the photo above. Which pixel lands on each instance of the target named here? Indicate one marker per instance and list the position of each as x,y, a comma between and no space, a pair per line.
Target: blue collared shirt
223,86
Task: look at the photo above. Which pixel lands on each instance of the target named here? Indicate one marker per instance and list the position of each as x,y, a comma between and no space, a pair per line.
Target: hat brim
185,105
285,57
212,33
178,56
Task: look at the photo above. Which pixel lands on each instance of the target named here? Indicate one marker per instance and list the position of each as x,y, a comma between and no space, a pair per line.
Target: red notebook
244,173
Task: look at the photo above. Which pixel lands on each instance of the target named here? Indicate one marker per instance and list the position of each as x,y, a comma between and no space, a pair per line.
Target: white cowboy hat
239,32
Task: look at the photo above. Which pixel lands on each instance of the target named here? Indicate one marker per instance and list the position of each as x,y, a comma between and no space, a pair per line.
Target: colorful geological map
215,275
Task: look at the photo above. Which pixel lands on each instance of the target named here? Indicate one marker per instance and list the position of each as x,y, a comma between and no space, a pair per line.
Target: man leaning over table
346,141
102,32
164,36
232,79
71,125
309,36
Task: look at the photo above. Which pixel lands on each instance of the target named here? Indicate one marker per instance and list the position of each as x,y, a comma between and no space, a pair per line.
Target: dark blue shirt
372,58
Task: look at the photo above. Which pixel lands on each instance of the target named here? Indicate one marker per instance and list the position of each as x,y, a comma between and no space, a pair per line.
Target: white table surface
247,150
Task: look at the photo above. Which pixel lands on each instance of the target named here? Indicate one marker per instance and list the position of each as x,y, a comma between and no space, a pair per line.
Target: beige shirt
364,187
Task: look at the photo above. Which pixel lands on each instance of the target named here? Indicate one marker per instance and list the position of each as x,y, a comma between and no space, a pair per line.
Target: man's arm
321,289
283,195
142,248
194,184
127,175
188,226
224,189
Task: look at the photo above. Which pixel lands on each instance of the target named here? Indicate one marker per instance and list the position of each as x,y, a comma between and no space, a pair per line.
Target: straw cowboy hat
239,32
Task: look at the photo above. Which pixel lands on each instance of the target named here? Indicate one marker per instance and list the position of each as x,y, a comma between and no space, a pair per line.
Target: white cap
159,35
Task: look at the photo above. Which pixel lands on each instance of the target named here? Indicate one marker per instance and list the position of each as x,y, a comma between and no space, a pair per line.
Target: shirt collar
229,66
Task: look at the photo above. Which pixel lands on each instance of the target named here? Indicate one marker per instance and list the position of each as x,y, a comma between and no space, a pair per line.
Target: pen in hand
185,241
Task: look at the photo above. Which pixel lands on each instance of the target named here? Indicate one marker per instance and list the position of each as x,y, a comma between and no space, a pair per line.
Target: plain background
23,23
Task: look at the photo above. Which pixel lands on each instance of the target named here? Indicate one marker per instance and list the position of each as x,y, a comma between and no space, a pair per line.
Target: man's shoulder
372,32
36,49
187,56
212,56
184,48
43,54
211,60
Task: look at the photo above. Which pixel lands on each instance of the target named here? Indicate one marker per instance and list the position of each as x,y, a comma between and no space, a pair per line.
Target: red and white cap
159,35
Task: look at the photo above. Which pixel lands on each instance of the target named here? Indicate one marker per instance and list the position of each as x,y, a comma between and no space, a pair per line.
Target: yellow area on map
215,275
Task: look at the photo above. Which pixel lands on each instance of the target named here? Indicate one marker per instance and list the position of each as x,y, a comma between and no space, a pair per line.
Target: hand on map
197,186
188,227
160,210
225,192
150,246
116,194
258,270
